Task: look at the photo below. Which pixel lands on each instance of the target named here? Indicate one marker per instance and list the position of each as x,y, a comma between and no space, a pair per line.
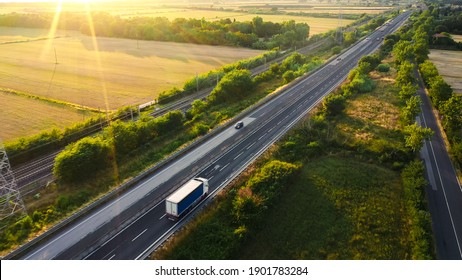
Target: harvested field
449,65
22,116
119,71
457,38
317,25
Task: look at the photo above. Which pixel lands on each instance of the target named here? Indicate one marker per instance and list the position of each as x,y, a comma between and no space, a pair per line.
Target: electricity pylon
10,199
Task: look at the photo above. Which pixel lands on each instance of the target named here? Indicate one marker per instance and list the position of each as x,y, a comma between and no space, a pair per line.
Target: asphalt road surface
444,191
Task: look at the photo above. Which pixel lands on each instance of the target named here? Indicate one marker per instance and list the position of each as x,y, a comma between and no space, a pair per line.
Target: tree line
257,33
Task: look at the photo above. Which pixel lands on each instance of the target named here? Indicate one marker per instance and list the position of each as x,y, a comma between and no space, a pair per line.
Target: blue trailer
186,197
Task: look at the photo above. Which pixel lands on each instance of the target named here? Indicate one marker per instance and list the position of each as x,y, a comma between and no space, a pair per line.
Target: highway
220,159
444,191
36,173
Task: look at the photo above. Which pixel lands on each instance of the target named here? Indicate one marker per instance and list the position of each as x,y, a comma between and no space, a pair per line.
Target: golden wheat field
449,65
101,73
106,71
22,116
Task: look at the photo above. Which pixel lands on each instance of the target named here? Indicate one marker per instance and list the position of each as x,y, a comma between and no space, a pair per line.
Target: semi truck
186,197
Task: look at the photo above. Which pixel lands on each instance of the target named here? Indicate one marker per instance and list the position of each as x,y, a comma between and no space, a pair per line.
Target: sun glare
52,34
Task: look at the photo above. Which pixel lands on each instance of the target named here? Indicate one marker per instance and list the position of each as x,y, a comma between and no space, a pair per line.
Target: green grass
340,208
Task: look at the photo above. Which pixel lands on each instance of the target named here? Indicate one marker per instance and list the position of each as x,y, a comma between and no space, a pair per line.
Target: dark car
239,125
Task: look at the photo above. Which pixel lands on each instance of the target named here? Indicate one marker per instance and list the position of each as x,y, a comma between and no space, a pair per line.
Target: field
108,73
449,65
121,72
317,25
457,38
25,116
118,71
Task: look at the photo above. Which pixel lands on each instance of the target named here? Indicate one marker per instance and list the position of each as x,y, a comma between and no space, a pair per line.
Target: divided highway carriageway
117,230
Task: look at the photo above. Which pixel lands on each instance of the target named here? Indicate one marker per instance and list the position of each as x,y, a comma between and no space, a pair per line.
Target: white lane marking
211,178
223,167
162,217
238,155
111,257
250,145
139,234
442,187
261,137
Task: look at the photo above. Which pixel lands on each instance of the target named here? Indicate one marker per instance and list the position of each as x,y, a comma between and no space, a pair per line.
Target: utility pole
339,29
10,202
56,57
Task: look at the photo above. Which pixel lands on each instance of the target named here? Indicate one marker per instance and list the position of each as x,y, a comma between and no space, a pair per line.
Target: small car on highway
239,125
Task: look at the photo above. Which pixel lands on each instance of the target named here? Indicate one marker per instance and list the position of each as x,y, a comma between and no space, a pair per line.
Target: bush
288,76
384,67
334,104
87,156
232,87
336,50
456,152
414,192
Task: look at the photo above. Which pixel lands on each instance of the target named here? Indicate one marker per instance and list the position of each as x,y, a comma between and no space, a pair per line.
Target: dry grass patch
449,65
375,111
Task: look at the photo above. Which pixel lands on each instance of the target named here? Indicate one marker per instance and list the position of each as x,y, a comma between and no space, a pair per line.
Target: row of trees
448,104
256,33
120,139
441,94
91,155
211,78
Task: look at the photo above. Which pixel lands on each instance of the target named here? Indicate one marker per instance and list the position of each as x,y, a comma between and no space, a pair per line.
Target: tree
87,156
124,136
288,76
403,51
333,104
233,86
439,91
411,110
415,135
349,38
428,71
373,60
452,117
421,50
405,74
407,91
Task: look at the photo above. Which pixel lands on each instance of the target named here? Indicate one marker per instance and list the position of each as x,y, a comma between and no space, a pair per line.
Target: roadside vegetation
448,104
